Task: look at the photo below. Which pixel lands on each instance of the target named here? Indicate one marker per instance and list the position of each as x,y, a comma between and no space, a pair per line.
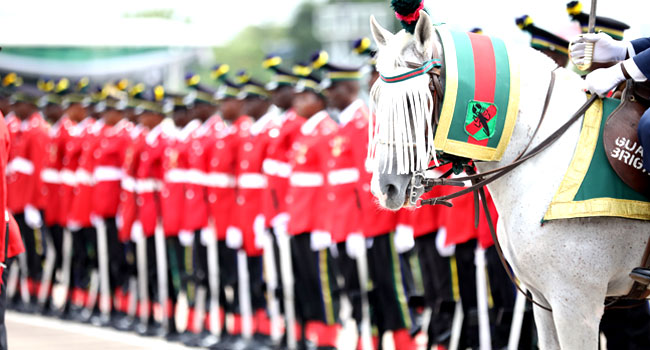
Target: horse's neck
537,179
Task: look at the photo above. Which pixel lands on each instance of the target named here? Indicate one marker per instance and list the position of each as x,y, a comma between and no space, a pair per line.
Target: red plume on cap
408,12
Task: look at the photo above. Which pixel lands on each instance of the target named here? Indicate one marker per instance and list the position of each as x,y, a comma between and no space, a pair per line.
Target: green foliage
302,34
159,13
247,51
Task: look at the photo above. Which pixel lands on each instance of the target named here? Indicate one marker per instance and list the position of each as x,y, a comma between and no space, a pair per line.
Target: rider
635,65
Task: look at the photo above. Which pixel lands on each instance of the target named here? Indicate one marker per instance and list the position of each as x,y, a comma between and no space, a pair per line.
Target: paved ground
29,332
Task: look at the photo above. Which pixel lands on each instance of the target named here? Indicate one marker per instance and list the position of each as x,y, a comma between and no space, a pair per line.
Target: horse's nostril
391,191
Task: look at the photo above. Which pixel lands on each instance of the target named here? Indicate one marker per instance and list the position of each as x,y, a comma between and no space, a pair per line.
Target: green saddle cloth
590,186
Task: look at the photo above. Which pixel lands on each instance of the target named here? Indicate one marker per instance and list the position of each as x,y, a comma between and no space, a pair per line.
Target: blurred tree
247,51
302,34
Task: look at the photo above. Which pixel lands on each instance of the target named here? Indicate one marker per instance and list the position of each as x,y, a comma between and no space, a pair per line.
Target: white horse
569,265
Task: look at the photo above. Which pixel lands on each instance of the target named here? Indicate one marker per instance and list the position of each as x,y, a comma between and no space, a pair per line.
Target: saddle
620,139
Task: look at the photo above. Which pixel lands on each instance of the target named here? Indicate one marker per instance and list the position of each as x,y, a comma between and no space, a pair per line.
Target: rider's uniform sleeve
642,56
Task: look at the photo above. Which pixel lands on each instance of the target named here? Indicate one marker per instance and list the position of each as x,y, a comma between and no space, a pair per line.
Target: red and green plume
407,12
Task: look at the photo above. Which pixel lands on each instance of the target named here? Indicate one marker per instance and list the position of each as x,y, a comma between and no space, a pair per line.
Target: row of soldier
136,196
253,202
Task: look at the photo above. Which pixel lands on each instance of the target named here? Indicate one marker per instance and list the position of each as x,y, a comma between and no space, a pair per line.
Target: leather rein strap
479,181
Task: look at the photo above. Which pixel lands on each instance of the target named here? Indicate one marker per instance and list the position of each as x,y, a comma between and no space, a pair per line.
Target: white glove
403,238
33,217
96,220
355,244
186,238
207,235
137,232
234,238
280,225
606,49
320,240
259,229
603,80
444,251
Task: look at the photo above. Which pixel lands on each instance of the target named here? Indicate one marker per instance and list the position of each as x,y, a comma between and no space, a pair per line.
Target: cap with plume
202,93
610,26
407,12
542,39
219,71
320,59
281,76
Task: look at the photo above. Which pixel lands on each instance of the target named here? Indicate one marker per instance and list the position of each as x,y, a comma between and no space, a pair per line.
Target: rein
479,181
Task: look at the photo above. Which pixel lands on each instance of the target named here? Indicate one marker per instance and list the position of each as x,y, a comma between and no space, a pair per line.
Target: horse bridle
479,181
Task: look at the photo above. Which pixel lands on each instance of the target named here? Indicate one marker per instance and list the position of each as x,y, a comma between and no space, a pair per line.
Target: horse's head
401,144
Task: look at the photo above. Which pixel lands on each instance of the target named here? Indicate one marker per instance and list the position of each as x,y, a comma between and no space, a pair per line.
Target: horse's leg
577,315
546,333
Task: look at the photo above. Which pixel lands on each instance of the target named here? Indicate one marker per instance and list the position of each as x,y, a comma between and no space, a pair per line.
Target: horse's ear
380,34
424,34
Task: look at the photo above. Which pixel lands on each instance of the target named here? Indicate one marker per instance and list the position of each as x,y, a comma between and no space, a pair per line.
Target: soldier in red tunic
222,143
27,159
316,292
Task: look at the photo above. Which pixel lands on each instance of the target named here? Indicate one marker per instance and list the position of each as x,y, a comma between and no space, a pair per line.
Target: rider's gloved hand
601,81
606,49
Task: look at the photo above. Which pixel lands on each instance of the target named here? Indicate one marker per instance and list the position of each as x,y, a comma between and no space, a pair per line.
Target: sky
215,22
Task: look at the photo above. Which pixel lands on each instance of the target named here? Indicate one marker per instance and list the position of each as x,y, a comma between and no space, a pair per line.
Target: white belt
84,177
128,184
21,165
252,181
196,177
68,177
147,185
176,175
276,168
50,176
303,179
108,173
343,176
221,180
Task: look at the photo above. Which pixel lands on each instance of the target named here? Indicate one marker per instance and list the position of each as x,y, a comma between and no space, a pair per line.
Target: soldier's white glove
280,225
606,49
403,238
603,80
33,217
441,238
320,240
234,238
207,235
96,220
137,232
259,228
186,238
355,244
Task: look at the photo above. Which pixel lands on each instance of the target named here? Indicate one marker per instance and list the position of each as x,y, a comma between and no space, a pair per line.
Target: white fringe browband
402,131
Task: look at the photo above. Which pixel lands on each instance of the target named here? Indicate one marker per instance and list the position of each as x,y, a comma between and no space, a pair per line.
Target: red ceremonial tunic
196,202
251,182
11,241
221,181
127,212
149,177
70,164
276,167
52,189
27,158
306,194
108,155
83,193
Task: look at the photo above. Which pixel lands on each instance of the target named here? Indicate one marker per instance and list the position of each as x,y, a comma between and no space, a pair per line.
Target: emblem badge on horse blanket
481,96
